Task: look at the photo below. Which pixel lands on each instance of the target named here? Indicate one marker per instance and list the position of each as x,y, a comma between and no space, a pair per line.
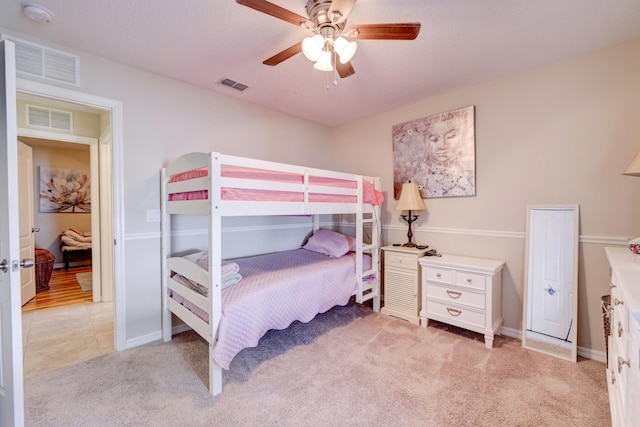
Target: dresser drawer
450,313
440,275
471,280
399,260
457,296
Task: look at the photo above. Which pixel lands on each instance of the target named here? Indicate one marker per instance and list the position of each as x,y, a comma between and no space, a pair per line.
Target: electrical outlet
153,215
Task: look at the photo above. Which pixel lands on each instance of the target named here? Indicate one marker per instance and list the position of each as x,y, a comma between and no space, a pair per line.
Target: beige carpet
85,280
347,367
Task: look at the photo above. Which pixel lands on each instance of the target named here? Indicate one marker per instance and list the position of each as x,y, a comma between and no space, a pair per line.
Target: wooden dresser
464,292
623,368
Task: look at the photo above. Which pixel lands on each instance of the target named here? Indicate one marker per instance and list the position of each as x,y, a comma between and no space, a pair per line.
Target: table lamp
410,200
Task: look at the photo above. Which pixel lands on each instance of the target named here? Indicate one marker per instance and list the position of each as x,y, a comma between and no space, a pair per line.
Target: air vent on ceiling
232,84
49,118
36,60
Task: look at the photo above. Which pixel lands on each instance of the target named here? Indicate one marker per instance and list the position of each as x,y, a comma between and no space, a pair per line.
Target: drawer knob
454,312
620,330
454,294
438,275
469,280
621,363
616,301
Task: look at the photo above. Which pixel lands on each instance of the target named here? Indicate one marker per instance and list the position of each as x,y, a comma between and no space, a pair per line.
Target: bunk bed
195,287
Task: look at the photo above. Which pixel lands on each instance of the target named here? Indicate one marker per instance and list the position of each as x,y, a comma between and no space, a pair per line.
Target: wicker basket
44,268
606,317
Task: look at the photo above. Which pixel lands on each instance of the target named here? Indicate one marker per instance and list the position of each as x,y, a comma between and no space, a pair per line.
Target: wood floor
63,290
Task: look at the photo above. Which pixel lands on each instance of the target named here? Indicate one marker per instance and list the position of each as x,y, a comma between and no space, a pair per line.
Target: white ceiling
462,42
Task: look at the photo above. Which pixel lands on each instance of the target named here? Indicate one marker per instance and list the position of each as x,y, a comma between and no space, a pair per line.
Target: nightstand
464,292
402,282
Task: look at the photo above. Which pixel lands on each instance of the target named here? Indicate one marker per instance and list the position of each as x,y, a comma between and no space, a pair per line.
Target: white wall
558,134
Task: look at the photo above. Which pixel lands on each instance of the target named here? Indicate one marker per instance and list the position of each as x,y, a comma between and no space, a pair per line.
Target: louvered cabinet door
402,282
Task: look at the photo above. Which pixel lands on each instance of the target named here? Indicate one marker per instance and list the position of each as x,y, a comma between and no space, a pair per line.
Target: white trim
588,353
144,339
52,134
600,240
115,107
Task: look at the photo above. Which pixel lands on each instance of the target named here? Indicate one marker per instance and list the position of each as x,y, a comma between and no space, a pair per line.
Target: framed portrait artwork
64,190
438,153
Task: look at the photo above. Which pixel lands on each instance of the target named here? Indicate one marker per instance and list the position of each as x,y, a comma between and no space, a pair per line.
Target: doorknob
27,263
35,229
4,266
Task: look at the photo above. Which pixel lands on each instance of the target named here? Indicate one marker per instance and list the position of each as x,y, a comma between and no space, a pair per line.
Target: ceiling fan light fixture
324,62
345,49
312,47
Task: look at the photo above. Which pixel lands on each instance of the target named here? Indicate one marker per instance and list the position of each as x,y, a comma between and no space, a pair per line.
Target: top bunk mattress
370,194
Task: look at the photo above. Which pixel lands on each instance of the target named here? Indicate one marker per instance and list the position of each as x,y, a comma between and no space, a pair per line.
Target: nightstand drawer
395,259
457,296
471,280
452,314
440,275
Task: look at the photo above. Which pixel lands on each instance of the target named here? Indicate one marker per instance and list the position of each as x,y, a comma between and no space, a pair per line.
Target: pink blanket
370,194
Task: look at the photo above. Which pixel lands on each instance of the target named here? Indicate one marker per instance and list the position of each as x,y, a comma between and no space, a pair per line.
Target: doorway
83,317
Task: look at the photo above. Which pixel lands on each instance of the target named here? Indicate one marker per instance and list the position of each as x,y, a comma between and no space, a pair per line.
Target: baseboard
145,339
587,353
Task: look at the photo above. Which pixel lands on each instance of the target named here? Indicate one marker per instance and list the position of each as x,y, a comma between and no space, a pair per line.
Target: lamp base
409,245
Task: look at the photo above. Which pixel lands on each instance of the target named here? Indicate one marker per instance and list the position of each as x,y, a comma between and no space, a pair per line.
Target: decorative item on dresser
623,371
402,282
464,292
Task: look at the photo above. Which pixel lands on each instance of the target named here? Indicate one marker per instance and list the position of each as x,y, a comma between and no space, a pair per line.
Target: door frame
117,200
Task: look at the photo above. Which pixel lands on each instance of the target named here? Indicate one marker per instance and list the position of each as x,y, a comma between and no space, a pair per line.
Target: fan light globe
324,62
312,47
345,49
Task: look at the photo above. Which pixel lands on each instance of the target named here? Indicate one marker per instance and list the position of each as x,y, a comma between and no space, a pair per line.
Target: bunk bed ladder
368,290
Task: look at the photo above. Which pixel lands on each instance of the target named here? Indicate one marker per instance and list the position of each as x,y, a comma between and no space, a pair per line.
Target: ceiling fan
330,45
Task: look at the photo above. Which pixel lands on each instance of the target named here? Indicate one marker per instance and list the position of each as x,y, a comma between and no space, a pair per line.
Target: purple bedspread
278,289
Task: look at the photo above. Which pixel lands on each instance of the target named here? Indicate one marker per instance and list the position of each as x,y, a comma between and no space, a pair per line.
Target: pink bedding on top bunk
370,194
276,290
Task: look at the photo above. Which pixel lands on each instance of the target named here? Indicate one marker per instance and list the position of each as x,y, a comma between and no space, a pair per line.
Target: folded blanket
230,279
76,236
68,241
229,267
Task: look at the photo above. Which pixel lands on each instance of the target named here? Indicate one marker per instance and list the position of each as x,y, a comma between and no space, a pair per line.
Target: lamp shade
324,61
312,47
634,168
345,49
410,199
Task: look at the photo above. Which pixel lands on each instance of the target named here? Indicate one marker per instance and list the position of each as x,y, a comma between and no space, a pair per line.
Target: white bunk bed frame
367,217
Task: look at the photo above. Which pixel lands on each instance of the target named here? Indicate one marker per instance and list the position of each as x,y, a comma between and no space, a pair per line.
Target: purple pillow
330,243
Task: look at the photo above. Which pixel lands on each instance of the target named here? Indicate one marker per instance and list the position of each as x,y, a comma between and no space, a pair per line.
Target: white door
11,383
26,229
551,255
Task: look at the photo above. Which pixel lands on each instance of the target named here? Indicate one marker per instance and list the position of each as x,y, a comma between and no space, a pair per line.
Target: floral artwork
438,153
64,190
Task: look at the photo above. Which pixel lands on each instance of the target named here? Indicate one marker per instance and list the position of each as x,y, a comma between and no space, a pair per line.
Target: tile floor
58,337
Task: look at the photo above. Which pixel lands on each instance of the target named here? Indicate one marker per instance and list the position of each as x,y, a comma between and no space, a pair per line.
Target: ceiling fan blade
345,70
404,31
342,6
285,54
274,10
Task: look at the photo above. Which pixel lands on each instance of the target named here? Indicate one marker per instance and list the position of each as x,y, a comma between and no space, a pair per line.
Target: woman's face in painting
444,141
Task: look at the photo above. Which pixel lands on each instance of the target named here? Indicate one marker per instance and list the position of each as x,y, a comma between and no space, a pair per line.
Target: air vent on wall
232,84
48,118
47,63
